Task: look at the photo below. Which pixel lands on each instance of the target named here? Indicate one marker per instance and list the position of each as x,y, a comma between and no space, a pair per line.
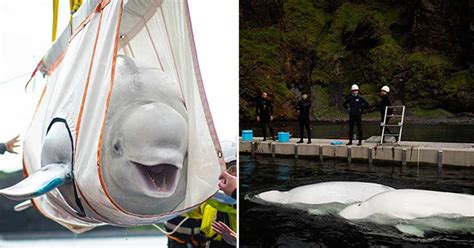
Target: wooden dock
407,152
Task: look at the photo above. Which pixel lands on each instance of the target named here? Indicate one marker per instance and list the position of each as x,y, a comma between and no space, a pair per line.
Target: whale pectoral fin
223,198
23,206
42,181
410,230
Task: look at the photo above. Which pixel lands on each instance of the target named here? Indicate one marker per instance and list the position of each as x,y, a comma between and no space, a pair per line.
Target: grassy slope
318,45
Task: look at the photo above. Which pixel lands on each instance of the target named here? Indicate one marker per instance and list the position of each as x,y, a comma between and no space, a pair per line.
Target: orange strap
176,239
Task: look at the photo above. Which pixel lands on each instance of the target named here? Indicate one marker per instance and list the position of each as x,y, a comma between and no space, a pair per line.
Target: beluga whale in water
415,211
327,192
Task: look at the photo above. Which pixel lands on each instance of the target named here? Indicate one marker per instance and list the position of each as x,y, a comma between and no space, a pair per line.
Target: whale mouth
161,179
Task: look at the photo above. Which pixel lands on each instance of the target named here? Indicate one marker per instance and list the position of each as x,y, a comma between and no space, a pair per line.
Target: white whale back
328,192
411,204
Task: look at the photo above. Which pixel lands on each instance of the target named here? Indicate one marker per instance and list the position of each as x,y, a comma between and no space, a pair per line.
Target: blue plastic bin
247,135
283,136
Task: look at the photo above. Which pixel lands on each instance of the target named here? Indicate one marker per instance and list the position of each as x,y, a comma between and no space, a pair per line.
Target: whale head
353,211
144,149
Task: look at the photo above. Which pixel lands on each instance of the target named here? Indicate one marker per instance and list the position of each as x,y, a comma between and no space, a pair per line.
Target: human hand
227,234
11,144
271,117
228,183
258,119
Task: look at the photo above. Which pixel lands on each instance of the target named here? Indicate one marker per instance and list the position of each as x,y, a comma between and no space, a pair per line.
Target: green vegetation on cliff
323,47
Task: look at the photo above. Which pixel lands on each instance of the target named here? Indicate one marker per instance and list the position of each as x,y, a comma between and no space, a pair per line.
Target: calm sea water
411,132
277,226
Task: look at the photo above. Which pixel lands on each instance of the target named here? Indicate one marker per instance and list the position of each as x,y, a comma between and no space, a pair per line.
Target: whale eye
117,147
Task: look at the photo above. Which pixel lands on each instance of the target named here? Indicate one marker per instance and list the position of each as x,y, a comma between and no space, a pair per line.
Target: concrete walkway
440,153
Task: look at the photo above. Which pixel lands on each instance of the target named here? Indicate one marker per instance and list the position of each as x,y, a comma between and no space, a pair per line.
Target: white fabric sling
80,67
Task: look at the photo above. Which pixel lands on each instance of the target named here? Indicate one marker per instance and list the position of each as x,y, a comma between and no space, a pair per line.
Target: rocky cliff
422,49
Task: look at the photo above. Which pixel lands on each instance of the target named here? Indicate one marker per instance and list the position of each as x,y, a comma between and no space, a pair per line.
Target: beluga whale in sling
122,133
144,149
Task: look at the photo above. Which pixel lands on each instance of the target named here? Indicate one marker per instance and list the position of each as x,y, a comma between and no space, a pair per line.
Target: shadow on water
264,225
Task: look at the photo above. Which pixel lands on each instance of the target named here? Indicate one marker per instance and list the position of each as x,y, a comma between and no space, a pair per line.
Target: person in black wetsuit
304,107
355,104
265,115
385,102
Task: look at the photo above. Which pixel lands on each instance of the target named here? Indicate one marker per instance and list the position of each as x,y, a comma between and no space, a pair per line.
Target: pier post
349,155
404,160
253,145
273,150
369,155
440,163
296,151
321,156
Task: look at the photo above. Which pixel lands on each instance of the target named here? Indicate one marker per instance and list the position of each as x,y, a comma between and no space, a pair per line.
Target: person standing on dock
304,107
385,102
355,104
265,115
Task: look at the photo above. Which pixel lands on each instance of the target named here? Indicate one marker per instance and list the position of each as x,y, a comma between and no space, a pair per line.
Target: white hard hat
229,150
385,88
355,87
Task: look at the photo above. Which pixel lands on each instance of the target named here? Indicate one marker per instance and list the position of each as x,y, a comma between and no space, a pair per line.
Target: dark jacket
355,104
264,109
384,102
3,148
304,106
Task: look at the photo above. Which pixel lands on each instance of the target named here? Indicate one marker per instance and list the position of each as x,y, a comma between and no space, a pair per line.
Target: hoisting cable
33,74
13,78
174,230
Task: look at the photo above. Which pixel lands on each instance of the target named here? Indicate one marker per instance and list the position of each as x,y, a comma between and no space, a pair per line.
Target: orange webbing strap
176,239
33,74
102,5
86,88
198,243
81,110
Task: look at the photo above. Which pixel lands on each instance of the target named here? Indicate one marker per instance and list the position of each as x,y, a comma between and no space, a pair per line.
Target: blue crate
283,136
247,135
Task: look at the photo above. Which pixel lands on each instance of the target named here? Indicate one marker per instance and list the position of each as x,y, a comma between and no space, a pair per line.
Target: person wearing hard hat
355,104
384,103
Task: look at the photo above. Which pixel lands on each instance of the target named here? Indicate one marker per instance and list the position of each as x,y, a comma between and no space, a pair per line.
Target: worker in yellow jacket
198,230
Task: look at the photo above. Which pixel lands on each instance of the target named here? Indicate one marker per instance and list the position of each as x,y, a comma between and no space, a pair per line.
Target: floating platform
406,152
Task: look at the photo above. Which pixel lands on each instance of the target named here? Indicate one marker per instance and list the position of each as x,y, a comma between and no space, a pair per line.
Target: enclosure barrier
407,152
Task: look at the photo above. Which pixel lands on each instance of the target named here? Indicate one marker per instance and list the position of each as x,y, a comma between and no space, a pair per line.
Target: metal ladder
399,123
